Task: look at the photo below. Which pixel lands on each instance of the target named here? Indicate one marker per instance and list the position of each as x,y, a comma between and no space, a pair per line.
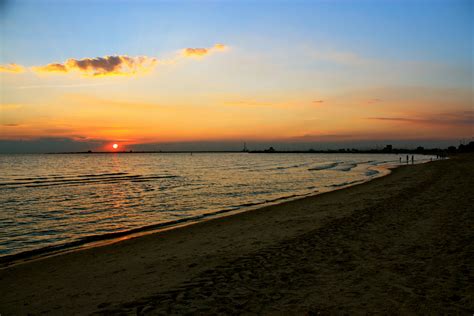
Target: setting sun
115,146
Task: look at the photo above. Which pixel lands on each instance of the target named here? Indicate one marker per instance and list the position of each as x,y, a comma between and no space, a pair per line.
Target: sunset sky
87,74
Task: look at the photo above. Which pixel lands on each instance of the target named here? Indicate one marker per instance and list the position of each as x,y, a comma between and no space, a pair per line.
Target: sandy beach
398,244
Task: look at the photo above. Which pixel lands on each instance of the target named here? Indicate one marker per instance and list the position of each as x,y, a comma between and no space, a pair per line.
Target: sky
200,75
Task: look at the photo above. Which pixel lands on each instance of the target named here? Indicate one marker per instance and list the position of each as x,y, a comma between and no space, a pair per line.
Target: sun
115,146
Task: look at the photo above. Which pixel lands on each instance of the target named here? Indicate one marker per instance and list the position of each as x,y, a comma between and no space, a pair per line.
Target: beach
402,243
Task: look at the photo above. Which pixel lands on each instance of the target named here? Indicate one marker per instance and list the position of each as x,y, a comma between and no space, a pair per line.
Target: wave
342,184
339,166
324,166
371,172
346,166
377,163
289,167
80,179
71,176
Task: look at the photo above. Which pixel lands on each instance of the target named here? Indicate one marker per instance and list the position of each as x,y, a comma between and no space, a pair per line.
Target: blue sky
405,30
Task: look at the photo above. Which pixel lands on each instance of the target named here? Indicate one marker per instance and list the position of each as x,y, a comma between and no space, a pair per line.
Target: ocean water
49,202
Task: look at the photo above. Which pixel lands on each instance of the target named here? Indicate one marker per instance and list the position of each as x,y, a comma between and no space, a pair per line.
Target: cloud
372,101
102,66
58,130
321,137
195,52
454,118
397,119
12,68
117,65
201,52
318,101
51,68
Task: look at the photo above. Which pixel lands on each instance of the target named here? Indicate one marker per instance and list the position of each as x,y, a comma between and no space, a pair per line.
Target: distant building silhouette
469,148
388,148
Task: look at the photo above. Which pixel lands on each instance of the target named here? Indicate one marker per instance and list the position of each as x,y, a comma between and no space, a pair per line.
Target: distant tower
245,148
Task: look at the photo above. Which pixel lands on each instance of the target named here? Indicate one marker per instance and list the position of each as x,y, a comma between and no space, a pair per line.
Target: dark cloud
102,66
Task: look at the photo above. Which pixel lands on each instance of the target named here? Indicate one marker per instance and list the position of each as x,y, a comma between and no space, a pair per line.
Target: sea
53,202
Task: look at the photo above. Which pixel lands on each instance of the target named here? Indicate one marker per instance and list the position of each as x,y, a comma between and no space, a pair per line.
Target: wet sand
399,244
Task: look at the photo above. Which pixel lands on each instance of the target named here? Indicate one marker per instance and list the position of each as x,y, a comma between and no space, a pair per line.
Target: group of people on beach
413,158
408,159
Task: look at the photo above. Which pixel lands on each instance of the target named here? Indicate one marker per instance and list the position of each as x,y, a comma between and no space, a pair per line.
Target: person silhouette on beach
400,159
412,159
407,158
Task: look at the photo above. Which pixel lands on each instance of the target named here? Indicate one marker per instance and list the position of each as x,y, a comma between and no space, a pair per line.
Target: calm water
57,200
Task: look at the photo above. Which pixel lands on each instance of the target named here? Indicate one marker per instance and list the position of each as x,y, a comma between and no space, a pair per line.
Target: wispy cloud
318,101
321,137
454,118
12,68
375,100
102,66
201,52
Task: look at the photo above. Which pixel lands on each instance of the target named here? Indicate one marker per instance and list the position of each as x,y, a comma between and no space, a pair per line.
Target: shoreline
398,243
93,241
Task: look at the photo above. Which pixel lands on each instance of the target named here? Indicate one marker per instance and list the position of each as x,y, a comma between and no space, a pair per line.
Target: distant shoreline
401,151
